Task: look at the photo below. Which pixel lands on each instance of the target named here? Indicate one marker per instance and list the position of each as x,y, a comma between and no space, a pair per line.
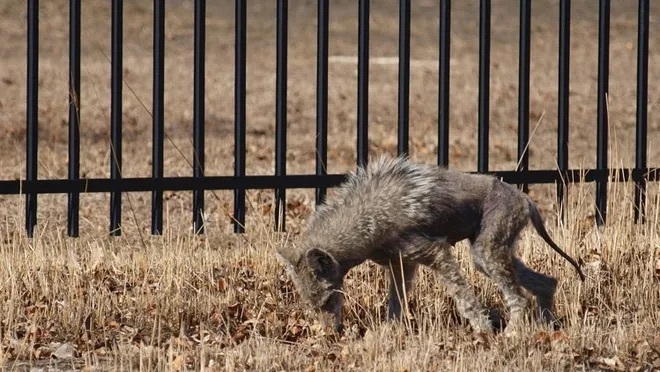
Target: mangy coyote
400,214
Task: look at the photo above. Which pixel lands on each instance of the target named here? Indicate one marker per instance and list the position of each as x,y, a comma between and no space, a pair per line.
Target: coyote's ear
322,263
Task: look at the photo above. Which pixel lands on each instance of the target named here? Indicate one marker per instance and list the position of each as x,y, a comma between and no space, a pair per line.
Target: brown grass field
222,301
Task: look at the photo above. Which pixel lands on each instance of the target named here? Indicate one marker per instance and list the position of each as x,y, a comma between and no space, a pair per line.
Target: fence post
280,112
322,95
523,88
199,76
484,84
563,101
158,113
239,112
602,109
404,75
74,115
116,81
443,83
32,125
642,113
363,85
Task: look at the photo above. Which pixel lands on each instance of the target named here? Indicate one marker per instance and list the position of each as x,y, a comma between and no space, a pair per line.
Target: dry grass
221,301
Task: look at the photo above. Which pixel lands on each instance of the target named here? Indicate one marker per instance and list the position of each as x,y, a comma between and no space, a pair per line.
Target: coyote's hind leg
492,250
542,286
446,266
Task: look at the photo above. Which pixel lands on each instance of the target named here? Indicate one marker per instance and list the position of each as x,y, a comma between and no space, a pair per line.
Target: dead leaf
239,336
557,336
641,348
178,362
542,337
64,351
482,339
42,352
610,363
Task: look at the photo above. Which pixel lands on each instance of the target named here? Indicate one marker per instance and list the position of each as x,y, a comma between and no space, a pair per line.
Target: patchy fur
400,215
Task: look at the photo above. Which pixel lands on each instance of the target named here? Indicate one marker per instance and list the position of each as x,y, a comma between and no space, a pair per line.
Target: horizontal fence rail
297,181
280,181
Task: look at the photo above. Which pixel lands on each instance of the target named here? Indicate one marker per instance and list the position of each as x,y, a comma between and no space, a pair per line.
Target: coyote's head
318,278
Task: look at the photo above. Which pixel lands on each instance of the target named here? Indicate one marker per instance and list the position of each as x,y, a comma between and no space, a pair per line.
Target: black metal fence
280,181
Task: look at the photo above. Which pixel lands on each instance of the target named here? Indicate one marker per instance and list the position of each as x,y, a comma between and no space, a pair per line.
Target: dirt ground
301,109
342,108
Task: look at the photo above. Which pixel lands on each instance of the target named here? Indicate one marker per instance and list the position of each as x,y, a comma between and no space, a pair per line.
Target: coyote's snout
400,214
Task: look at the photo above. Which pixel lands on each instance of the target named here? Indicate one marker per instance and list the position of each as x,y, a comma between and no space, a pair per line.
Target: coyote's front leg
402,275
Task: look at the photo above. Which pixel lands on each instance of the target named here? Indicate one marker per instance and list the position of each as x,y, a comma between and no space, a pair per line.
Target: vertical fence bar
404,75
443,83
116,67
563,104
74,115
32,128
642,113
322,95
199,87
280,112
484,84
602,114
158,114
239,112
523,87
363,84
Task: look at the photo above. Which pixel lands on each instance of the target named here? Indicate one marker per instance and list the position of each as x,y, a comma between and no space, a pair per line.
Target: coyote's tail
537,221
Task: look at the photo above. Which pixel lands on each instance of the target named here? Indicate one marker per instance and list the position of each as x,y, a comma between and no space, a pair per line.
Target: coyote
400,214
